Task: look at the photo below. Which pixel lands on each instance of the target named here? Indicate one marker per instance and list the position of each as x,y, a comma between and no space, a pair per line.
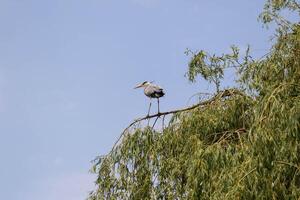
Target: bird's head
143,84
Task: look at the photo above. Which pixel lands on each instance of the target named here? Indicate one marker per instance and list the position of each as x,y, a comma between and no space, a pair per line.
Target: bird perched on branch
151,91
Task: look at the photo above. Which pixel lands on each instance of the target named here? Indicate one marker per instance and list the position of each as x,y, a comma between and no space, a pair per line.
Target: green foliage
273,8
240,146
211,67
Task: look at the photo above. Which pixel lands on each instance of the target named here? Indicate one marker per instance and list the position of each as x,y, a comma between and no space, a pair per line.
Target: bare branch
222,94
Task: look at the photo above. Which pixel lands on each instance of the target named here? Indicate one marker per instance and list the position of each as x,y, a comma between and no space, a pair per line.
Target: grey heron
151,91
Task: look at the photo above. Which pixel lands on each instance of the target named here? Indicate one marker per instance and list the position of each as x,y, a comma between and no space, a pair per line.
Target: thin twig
163,122
240,139
247,174
198,94
223,138
289,164
155,122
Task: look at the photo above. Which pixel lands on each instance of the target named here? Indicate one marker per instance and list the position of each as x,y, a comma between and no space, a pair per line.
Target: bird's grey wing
156,88
154,91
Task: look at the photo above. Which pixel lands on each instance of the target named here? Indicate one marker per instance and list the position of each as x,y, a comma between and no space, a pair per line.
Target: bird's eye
144,82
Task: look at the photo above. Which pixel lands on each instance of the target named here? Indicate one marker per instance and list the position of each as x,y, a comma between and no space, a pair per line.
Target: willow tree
240,144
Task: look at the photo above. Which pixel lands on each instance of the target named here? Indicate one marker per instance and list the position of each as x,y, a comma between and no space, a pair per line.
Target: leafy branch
222,94
211,67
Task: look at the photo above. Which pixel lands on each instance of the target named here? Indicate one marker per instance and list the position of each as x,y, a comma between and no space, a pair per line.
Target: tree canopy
243,143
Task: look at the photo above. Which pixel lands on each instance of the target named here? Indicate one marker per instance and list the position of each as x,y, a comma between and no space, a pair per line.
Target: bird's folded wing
157,89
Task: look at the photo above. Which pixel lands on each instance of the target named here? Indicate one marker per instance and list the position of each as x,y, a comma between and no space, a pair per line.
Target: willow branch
222,94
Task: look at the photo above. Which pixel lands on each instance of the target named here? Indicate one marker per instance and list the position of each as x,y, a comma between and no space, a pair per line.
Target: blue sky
67,72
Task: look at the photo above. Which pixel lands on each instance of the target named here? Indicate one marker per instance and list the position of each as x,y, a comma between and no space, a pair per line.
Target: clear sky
67,72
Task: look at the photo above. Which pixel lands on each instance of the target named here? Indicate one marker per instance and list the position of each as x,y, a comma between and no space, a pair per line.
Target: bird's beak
138,86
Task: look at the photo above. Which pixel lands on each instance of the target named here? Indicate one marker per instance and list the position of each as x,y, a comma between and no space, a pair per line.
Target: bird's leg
149,108
158,105
149,111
